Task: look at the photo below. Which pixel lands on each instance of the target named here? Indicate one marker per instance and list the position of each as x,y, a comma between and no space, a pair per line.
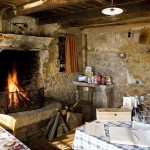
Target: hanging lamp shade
111,11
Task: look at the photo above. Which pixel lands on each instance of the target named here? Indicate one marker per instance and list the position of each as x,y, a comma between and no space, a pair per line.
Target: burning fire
16,93
13,82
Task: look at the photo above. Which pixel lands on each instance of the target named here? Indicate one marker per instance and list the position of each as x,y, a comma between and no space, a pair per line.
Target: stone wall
57,85
111,51
130,73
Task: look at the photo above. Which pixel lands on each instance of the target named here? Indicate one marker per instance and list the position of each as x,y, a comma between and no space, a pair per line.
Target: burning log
34,100
17,100
13,97
17,97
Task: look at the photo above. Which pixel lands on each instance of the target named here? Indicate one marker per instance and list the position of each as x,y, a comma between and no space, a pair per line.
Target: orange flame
13,82
16,93
13,87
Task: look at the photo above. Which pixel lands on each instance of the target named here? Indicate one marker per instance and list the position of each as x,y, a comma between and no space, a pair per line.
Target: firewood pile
61,122
56,126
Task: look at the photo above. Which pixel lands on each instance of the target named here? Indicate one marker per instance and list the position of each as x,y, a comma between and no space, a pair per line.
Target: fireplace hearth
12,102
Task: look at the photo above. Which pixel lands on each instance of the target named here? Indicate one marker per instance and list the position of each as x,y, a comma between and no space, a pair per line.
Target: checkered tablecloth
84,141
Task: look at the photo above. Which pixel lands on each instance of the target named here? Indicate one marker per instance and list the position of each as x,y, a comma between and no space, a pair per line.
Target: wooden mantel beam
24,42
49,4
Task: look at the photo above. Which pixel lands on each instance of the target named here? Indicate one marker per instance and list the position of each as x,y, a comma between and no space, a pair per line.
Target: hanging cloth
71,54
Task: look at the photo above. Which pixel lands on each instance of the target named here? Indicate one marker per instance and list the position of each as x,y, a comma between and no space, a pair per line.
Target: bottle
135,110
62,62
105,79
108,80
95,79
89,79
98,78
62,65
102,81
92,78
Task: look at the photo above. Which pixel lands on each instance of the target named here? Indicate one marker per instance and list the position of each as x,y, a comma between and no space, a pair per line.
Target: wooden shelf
102,87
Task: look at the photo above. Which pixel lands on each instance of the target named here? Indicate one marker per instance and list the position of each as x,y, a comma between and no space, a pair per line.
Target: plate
9,144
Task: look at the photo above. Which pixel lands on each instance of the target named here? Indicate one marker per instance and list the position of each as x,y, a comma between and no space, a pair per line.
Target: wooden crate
113,114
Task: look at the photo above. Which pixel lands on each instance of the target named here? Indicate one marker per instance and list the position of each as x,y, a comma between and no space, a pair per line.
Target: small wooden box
113,114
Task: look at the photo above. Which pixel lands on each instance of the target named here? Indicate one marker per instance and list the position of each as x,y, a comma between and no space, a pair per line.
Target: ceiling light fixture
34,4
112,10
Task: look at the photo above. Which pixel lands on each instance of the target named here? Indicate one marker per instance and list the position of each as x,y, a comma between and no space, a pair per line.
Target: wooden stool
84,102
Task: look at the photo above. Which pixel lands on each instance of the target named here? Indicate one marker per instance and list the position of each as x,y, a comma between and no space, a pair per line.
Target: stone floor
60,143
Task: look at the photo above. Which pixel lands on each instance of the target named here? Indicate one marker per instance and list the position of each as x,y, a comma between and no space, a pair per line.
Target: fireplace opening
17,69
26,64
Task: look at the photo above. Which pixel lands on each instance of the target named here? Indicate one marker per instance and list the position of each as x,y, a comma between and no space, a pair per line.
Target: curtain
71,54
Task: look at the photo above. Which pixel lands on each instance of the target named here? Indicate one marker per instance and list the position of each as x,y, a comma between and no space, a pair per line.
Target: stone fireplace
20,67
23,54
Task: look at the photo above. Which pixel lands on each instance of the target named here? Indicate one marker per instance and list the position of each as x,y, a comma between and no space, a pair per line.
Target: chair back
84,102
7,121
85,93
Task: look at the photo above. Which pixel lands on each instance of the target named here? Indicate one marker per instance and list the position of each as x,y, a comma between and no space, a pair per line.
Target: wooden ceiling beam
47,5
127,19
94,13
86,14
104,2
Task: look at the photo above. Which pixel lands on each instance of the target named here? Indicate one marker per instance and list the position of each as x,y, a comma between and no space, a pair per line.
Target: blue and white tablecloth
84,141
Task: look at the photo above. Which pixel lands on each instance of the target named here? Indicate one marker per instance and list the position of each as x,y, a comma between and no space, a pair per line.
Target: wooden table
88,142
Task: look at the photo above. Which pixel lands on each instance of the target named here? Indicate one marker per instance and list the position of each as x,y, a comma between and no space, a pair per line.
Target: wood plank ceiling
79,13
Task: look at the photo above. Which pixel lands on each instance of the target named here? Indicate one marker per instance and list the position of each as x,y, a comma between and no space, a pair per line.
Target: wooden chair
8,123
84,102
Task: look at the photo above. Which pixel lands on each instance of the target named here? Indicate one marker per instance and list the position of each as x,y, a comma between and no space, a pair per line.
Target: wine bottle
98,78
135,110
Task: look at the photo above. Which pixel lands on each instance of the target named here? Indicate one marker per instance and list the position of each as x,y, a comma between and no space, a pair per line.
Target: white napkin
95,129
